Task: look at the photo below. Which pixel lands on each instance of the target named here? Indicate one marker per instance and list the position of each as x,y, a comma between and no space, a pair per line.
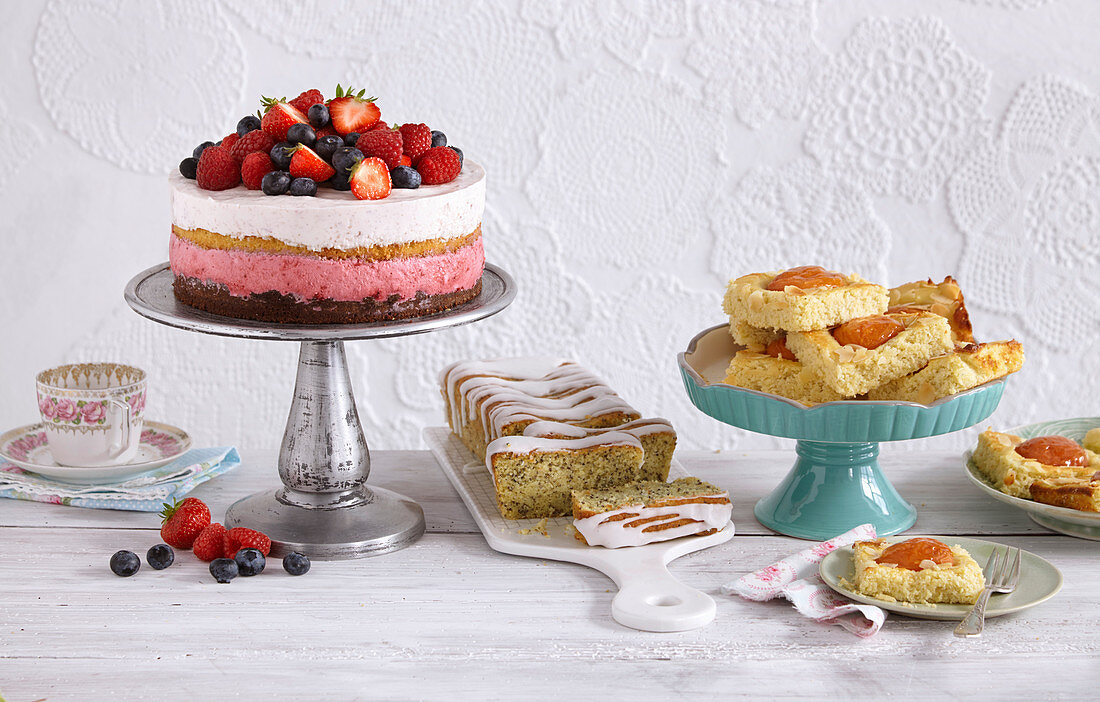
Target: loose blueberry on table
160,556
296,563
250,561
224,569
125,563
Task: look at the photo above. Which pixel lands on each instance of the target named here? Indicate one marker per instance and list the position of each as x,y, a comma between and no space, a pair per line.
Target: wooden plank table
451,619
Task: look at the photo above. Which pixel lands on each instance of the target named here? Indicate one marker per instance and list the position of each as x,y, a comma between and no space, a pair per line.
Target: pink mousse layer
311,278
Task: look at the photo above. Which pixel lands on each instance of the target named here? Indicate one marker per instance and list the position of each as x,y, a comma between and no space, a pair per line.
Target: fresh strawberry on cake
317,211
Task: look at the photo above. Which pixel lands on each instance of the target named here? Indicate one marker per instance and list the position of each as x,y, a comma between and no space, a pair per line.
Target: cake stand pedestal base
832,488
371,522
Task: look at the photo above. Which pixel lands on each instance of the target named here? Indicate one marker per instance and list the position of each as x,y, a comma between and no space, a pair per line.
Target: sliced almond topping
860,353
941,309
895,296
926,394
793,290
756,300
927,563
942,298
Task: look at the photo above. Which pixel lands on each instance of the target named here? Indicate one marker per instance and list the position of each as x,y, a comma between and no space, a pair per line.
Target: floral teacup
92,412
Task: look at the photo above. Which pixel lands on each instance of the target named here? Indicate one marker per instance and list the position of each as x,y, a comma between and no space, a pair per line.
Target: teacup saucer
27,447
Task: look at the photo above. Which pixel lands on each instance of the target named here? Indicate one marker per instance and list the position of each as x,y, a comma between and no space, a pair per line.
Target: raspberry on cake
918,571
964,368
778,376
944,299
1011,464
643,512
864,353
802,299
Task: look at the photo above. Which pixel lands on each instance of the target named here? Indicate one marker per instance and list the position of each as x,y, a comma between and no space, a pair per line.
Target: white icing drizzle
505,391
523,445
599,531
638,427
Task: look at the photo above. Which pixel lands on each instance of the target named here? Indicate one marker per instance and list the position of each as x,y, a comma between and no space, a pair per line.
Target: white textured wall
640,153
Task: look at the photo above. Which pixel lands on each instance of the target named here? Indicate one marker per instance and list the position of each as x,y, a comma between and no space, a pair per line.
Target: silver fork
1001,575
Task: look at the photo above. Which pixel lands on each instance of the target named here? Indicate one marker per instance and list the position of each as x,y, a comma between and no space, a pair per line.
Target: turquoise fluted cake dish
836,482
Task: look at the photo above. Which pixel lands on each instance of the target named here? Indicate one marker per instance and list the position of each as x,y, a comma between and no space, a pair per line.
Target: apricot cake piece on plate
864,353
1012,464
966,367
643,512
918,571
944,299
802,299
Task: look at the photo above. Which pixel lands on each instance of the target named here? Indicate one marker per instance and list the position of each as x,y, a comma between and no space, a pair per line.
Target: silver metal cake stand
325,508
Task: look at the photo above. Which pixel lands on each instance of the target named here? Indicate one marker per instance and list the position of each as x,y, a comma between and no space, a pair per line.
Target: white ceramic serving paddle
649,598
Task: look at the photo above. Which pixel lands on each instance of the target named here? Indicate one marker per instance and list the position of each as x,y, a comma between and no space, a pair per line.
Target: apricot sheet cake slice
1012,464
918,571
864,353
944,299
801,299
964,368
778,376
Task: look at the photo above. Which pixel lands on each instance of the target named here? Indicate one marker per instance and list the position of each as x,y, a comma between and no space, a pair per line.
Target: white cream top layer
335,219
602,530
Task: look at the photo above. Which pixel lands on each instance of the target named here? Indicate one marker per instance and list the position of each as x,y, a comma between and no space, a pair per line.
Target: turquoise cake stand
836,482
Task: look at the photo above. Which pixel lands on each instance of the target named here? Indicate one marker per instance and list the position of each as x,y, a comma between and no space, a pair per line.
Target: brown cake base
275,307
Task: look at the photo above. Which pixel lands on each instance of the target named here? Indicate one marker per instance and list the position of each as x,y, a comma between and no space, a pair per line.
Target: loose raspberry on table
439,165
239,537
217,169
255,166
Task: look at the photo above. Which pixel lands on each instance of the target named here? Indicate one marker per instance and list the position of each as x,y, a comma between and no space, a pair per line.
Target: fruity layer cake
318,212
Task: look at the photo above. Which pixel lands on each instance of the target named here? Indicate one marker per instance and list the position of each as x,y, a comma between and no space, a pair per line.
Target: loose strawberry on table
351,112
183,522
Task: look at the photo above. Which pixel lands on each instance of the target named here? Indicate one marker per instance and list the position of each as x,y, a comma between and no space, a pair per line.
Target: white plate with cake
1061,495
1039,579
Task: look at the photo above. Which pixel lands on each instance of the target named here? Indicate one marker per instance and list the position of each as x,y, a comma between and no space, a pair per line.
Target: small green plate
1071,522
1039,581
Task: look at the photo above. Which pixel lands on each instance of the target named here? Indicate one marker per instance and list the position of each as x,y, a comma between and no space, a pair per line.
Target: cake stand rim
174,314
701,384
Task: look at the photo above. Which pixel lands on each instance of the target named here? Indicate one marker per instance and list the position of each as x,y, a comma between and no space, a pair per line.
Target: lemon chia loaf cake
319,213
866,352
656,435
1012,464
919,571
966,367
546,426
643,512
944,299
802,299
534,476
